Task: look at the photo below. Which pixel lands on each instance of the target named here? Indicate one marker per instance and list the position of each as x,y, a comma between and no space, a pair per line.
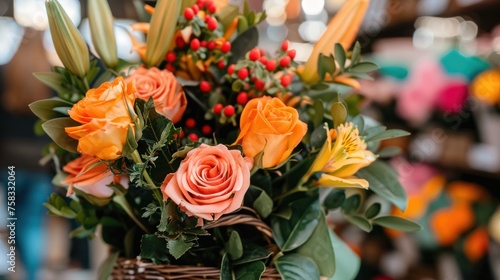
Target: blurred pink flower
452,97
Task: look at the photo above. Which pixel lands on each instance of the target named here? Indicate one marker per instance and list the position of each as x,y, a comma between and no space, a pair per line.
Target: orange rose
168,95
211,181
91,176
268,125
105,118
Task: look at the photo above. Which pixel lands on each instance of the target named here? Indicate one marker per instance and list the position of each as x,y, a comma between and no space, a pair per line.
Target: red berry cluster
205,39
194,130
259,73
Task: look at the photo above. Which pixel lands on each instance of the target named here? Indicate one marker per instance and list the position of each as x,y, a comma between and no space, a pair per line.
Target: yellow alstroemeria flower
341,160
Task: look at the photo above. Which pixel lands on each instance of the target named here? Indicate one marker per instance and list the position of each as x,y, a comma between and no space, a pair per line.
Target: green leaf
390,152
250,271
326,64
44,109
243,44
334,199
383,181
297,267
153,248
67,212
373,210
234,246
52,80
347,263
263,205
391,133
316,112
55,130
340,55
178,247
363,67
339,113
292,233
319,249
225,268
106,268
356,53
130,143
397,223
352,203
227,15
251,253
359,122
372,131
318,137
360,222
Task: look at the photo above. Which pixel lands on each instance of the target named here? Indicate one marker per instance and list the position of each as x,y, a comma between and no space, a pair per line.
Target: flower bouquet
212,158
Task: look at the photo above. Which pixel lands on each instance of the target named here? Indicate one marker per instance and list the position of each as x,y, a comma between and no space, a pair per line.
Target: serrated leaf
340,55
326,64
106,268
363,67
397,223
250,271
178,247
360,222
153,248
318,247
373,210
388,134
263,205
234,246
383,181
297,267
55,130
292,233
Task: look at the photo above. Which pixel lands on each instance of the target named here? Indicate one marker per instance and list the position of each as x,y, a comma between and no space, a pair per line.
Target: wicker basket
133,269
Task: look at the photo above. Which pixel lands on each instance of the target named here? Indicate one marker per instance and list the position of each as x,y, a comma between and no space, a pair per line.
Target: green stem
85,83
137,159
120,200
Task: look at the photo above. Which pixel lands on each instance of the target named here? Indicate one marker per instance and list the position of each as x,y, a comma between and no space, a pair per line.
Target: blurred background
439,79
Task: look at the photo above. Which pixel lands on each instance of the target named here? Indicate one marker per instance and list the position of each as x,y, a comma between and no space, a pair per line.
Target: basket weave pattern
134,269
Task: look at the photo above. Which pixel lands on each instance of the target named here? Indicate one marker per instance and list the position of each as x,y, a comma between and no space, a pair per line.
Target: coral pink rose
92,177
168,95
211,181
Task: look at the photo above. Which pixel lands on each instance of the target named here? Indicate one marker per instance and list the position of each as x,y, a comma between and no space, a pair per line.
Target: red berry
263,60
179,42
203,43
170,68
254,54
190,123
171,57
230,69
193,137
207,18
205,86
195,8
226,47
211,45
285,61
243,73
259,84
284,46
188,13
291,53
229,111
212,8
212,24
195,44
206,129
286,80
242,98
271,65
262,52
221,64
218,108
